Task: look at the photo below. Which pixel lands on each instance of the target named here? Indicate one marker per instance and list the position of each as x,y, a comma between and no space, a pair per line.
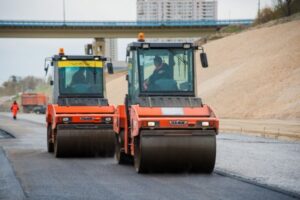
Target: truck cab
164,70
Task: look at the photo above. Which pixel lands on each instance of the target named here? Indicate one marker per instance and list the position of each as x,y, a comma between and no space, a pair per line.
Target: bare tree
284,6
288,7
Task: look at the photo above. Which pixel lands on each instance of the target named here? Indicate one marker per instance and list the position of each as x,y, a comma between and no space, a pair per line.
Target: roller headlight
107,119
206,124
151,124
66,119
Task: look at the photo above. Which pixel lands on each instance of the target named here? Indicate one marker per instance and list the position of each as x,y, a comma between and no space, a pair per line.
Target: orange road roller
163,125
79,119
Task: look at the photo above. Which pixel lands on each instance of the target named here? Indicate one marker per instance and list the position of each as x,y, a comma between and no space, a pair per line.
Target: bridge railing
194,23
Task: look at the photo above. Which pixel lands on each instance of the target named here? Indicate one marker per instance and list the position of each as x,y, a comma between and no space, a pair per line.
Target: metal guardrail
196,23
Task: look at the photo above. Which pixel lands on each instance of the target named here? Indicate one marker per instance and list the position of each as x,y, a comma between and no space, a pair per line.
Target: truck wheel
121,157
138,158
50,145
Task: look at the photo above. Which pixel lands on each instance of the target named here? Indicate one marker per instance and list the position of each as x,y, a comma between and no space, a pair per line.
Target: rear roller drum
50,145
57,148
120,155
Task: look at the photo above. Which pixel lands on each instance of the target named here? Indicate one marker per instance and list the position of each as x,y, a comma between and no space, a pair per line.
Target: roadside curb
263,134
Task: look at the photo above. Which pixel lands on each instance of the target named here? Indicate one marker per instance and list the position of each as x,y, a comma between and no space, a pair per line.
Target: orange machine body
80,119
78,115
162,116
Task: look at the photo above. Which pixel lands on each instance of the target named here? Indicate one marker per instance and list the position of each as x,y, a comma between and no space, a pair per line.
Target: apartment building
173,10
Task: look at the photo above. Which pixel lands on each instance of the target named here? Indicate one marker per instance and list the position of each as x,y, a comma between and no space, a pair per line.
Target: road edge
10,187
26,120
274,188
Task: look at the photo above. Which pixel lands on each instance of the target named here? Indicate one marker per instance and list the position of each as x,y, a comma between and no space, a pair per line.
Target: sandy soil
254,74
110,77
116,89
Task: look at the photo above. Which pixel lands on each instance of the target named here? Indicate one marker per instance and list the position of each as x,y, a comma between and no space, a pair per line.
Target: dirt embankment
116,88
252,75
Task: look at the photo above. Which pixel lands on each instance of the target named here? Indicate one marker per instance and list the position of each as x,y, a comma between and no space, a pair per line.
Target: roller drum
72,142
161,150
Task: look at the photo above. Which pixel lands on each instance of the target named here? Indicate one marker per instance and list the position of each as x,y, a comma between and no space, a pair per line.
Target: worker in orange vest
14,109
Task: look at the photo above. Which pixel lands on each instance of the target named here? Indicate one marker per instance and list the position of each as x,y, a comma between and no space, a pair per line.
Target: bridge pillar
99,46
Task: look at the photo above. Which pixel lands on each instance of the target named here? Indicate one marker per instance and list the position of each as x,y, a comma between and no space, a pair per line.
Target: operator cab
78,80
163,74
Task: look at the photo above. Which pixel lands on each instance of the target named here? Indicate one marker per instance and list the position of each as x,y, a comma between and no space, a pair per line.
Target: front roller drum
173,150
84,142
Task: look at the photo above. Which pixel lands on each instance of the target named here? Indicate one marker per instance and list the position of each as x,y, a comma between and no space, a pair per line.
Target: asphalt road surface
27,171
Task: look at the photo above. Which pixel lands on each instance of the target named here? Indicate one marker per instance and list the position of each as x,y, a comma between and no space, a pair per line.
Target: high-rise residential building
169,10
176,10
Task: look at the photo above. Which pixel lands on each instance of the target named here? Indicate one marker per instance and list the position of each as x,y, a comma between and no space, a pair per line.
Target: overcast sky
23,57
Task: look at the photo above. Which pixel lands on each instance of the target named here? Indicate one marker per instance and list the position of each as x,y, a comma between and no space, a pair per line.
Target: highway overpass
113,29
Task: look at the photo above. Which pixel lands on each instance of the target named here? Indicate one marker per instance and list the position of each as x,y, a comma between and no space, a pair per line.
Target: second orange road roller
79,119
163,125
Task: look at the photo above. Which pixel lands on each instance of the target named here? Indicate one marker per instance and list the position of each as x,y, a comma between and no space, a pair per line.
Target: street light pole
258,9
64,12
